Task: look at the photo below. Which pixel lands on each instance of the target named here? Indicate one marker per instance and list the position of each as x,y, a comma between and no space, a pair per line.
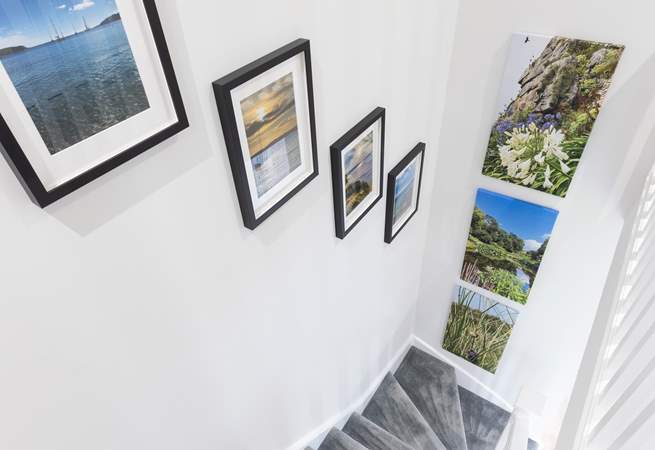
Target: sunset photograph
269,117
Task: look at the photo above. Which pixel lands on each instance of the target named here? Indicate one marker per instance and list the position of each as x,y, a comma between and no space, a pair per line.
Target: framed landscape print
403,189
478,328
552,91
357,166
84,87
267,115
506,243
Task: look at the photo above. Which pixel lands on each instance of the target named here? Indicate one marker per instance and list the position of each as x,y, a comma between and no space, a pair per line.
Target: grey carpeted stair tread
532,445
392,409
431,384
338,440
484,422
372,436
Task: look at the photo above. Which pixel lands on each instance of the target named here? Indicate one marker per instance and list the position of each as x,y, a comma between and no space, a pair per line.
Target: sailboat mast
57,37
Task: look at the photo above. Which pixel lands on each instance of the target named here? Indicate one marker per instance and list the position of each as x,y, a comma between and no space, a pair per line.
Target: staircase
421,407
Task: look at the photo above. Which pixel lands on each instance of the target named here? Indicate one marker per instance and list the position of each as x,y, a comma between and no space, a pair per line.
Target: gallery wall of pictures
551,93
266,109
80,100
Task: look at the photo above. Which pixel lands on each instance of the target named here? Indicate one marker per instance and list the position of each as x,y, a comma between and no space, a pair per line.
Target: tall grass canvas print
72,66
478,328
506,244
552,92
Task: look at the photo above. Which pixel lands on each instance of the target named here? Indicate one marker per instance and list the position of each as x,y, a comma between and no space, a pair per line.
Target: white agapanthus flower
547,183
528,149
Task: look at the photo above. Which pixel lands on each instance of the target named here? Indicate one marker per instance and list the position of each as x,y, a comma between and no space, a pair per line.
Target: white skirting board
314,437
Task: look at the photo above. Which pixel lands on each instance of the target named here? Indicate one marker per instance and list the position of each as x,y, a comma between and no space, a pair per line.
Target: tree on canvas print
506,243
71,65
478,328
552,92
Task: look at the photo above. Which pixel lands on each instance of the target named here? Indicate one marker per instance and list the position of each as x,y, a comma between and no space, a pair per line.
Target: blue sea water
404,192
278,160
81,85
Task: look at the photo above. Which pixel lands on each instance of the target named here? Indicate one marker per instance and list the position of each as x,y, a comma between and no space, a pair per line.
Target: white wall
138,313
548,342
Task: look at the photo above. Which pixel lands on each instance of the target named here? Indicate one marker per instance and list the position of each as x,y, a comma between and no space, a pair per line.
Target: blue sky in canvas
528,221
32,22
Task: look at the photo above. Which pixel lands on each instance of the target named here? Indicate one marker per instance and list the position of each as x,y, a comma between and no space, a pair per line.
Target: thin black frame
419,149
337,173
28,177
222,91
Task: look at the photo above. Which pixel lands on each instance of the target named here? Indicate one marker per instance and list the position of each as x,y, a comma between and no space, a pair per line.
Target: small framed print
357,167
84,87
267,115
403,190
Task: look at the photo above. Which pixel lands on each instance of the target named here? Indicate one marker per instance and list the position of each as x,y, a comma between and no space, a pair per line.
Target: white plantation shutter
620,411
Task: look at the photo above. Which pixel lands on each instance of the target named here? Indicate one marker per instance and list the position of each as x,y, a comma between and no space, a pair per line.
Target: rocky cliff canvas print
552,91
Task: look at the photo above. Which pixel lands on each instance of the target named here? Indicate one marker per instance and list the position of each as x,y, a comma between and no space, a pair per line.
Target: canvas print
404,191
478,328
553,89
506,243
269,116
72,66
358,172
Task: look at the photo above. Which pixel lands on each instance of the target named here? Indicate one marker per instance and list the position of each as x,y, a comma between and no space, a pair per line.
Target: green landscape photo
506,243
552,92
478,328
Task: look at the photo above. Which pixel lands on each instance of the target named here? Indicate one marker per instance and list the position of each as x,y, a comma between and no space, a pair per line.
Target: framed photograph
506,244
478,328
267,115
552,91
357,167
403,190
84,87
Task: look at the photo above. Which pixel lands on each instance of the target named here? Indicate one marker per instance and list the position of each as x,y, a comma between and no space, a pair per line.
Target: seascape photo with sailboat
72,66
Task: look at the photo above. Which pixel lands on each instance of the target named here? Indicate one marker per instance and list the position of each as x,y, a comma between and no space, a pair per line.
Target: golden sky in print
269,114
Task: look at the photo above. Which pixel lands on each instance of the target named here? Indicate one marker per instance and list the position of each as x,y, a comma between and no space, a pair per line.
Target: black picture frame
336,149
419,149
222,91
30,180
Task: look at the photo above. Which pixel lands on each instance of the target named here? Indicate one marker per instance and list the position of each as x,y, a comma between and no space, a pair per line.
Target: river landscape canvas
552,91
506,244
71,65
478,328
